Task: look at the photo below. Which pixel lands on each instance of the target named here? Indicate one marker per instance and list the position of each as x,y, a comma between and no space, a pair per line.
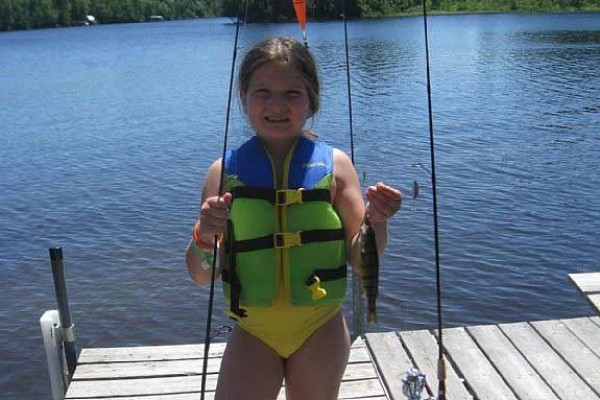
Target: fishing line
441,363
348,81
211,297
357,297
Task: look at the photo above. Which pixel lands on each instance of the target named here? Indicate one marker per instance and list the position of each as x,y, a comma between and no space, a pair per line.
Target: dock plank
515,369
361,380
172,352
595,300
139,387
586,330
180,396
148,353
123,370
575,352
589,285
482,378
391,360
556,372
587,282
423,348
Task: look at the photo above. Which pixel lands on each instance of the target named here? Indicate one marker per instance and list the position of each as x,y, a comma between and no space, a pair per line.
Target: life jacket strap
230,276
287,239
325,275
281,197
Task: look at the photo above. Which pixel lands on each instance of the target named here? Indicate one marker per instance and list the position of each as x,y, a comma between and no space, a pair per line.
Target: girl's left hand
383,202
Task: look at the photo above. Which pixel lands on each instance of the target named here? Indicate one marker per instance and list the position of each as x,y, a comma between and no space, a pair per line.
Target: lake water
106,133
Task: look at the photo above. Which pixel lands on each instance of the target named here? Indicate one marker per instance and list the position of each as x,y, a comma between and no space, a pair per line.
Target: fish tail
372,317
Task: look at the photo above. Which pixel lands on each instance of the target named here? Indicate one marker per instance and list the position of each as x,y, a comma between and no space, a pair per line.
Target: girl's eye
293,94
262,93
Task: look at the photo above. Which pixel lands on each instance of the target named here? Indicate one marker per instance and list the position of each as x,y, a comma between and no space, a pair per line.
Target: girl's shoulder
339,156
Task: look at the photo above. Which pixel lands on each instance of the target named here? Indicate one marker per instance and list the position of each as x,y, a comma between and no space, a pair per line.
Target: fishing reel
221,330
413,383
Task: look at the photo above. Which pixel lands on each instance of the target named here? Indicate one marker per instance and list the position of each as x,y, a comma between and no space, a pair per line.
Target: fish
369,268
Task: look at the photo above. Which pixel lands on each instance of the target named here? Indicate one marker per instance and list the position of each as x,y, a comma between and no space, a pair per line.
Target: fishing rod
413,381
211,297
350,118
357,291
441,367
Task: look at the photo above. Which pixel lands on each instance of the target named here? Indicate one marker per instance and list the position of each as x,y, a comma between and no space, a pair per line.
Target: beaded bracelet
206,259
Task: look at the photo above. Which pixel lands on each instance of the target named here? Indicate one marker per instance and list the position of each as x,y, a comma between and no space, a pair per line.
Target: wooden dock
544,360
589,285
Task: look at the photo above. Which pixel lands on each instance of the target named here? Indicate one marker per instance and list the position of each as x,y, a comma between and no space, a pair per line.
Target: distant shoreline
412,13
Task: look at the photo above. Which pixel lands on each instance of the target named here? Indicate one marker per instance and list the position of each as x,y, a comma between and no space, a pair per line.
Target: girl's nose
278,101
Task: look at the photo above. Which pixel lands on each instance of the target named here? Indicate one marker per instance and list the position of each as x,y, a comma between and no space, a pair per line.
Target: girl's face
276,101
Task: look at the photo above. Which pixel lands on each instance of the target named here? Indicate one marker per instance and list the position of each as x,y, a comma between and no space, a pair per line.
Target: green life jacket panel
289,235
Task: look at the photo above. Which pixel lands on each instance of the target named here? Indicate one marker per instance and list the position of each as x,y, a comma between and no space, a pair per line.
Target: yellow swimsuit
284,327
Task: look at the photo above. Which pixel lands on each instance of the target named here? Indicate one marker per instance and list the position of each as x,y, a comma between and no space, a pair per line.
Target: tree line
282,10
29,14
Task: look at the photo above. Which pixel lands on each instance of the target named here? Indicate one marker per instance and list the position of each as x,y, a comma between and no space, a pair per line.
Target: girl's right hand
214,214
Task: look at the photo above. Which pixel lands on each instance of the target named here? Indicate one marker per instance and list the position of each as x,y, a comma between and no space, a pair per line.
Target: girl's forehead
276,72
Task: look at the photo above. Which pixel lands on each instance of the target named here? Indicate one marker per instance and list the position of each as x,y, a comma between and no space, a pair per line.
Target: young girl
290,219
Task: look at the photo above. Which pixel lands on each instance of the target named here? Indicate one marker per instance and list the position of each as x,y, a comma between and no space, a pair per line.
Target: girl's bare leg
315,371
250,369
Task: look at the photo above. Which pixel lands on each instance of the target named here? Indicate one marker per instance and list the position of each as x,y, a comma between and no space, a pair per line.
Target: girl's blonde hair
287,51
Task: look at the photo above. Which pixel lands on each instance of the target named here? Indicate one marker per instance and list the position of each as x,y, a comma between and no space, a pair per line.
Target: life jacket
289,235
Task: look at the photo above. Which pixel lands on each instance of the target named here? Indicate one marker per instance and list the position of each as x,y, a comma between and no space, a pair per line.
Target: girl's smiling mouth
276,120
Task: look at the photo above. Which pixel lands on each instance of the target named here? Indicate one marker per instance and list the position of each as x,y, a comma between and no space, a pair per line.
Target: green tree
80,9
63,9
42,13
6,15
26,14
576,4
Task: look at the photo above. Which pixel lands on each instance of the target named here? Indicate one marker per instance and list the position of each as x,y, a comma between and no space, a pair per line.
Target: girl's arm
348,202
384,202
214,213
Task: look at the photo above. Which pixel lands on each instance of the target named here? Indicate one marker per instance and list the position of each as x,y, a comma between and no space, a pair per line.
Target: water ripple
104,152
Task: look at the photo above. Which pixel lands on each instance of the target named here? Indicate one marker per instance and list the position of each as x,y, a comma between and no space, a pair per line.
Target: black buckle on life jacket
288,239
284,197
285,240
